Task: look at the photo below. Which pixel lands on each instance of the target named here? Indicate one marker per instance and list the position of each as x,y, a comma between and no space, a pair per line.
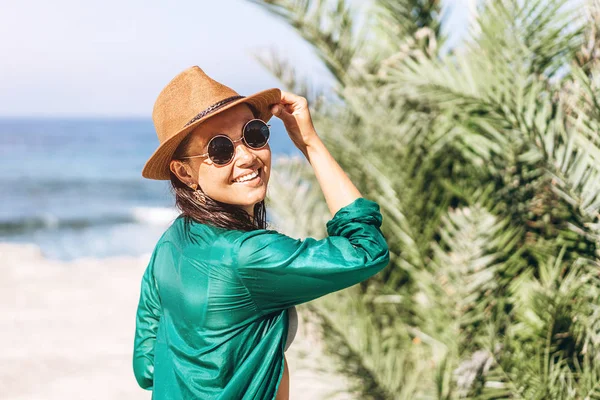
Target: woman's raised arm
279,271
337,188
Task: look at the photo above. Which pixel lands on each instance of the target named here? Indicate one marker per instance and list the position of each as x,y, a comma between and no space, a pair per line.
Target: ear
182,171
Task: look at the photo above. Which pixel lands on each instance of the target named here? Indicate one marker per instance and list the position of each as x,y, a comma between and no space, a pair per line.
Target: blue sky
112,57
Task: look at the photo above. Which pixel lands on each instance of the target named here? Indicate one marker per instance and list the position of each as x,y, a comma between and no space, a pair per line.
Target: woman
212,319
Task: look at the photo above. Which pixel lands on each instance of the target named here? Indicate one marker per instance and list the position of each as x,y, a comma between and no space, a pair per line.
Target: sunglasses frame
234,142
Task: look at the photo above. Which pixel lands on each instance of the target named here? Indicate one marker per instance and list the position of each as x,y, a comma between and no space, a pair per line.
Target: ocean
74,186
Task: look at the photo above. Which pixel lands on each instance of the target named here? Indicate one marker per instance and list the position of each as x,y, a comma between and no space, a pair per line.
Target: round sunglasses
221,148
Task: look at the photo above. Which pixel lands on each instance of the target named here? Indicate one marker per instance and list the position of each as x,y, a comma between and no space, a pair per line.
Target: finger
290,98
279,111
276,109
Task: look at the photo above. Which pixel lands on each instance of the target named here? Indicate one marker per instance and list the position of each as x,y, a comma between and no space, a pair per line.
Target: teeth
244,178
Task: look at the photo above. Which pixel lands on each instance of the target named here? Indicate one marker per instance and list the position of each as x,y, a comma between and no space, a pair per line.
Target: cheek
265,157
213,179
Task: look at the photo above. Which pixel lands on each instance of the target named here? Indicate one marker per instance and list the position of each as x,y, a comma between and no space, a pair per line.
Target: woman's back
217,300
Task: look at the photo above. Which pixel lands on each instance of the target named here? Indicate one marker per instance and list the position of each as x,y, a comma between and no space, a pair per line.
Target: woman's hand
293,111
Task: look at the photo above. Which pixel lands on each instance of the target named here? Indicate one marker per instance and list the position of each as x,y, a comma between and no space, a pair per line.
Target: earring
198,195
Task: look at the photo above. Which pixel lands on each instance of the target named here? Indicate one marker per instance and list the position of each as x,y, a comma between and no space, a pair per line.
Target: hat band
213,108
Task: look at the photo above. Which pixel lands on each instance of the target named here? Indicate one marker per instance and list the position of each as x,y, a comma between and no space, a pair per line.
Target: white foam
50,220
154,215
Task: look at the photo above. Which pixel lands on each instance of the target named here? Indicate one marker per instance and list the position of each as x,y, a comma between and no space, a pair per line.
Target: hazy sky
112,57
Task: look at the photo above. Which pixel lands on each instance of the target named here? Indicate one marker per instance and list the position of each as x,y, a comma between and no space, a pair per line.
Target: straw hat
189,99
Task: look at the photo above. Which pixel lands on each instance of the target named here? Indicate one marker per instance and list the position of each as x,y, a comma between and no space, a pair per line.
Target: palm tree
485,160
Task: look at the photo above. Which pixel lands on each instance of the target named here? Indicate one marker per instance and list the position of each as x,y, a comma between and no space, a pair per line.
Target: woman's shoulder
192,237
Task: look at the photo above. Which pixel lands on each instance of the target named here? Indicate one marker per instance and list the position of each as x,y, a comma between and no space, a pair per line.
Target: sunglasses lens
256,134
220,150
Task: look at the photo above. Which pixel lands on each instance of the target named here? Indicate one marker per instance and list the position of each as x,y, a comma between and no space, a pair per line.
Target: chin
242,198
254,199
248,195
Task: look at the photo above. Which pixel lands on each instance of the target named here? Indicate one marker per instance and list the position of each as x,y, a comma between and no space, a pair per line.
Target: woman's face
219,182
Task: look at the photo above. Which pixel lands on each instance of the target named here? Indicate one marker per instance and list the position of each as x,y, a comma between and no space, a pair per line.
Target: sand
66,330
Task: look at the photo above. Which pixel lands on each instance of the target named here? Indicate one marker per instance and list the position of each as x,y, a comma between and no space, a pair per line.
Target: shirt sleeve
147,319
280,272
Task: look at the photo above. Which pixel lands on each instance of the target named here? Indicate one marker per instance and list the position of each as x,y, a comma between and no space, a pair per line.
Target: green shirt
212,317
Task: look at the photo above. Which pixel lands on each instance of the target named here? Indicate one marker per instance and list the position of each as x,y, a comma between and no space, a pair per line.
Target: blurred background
473,123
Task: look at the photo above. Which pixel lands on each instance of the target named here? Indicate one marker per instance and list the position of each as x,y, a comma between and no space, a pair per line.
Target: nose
244,156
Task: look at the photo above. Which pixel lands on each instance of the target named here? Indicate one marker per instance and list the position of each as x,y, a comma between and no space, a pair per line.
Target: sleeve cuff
360,210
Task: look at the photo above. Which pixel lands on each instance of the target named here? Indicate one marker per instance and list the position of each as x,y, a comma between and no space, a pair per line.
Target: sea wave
155,216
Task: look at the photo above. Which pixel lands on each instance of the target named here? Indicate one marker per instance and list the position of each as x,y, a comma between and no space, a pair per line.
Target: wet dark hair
213,212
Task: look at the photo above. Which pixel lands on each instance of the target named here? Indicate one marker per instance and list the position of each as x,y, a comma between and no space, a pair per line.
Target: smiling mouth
251,177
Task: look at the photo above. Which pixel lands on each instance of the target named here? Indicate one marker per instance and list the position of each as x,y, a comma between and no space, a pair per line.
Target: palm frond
485,162
328,25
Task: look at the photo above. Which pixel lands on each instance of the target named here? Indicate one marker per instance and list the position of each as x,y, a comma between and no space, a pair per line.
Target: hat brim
157,166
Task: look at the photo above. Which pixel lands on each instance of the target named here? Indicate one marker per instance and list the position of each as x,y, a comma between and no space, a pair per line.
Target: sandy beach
67,331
